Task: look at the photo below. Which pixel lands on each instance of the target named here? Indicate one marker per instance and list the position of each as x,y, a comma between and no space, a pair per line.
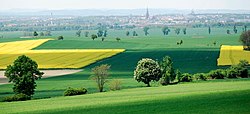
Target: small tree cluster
245,39
100,75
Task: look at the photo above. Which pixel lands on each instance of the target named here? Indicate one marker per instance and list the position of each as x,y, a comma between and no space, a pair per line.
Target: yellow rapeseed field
231,55
76,58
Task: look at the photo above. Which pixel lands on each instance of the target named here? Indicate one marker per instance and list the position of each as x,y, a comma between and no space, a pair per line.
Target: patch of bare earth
47,73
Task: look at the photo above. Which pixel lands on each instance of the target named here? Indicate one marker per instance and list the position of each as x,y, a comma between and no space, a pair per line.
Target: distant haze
123,4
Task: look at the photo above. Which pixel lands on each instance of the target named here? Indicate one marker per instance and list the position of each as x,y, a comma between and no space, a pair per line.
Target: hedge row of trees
148,70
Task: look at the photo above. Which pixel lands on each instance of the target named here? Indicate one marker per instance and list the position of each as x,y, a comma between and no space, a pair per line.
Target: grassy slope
193,56
223,96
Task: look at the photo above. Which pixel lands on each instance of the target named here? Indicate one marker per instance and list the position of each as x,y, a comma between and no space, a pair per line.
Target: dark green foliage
93,36
105,33
17,97
118,39
78,33
35,33
178,75
86,33
135,33
232,73
60,37
228,31
186,77
184,31
100,75
165,30
235,29
168,73
127,33
209,30
177,31
147,70
23,74
145,30
72,91
200,76
241,69
217,74
245,39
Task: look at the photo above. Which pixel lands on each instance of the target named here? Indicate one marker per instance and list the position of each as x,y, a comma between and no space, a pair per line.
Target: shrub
232,73
60,37
217,74
71,91
168,72
186,77
17,97
115,85
200,76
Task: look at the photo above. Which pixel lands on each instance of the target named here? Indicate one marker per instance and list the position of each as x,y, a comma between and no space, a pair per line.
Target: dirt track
47,73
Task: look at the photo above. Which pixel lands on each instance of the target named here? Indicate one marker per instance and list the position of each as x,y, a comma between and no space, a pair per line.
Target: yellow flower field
231,55
52,58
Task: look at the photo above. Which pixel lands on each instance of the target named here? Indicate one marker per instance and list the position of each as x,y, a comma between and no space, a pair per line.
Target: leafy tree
168,73
134,33
118,39
105,33
78,33
100,33
245,28
145,30
93,36
235,29
165,30
127,33
178,75
228,31
239,70
209,30
86,33
35,33
23,74
177,31
184,31
245,39
100,75
147,70
60,37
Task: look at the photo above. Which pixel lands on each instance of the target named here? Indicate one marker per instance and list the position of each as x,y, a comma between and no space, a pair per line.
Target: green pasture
225,96
196,54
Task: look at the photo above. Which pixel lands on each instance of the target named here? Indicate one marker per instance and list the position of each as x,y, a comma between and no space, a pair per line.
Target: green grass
197,54
228,96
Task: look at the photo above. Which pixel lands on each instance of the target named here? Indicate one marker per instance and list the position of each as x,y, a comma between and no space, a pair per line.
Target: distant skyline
124,4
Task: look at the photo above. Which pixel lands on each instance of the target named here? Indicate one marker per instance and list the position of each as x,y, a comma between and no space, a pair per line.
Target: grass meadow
197,54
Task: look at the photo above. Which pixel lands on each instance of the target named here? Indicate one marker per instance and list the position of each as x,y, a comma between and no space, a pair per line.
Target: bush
17,97
186,77
200,76
78,91
232,73
217,74
115,85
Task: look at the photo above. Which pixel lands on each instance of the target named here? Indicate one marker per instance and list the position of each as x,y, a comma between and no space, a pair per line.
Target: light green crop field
196,54
228,96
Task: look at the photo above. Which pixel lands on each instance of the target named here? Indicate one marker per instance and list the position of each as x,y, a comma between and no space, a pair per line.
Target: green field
228,96
197,54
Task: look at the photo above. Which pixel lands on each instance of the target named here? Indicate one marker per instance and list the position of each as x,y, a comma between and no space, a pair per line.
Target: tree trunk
148,84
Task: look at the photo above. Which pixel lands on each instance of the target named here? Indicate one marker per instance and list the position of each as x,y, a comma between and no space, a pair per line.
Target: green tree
78,33
100,75
86,33
177,31
99,33
165,30
105,33
147,70
145,30
184,31
93,36
35,33
127,33
245,39
168,73
23,74
134,33
209,30
60,37
235,29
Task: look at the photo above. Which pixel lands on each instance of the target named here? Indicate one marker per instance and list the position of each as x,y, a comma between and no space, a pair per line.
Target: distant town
54,22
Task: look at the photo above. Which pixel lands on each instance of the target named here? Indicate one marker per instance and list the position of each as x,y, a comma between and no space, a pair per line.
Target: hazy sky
124,4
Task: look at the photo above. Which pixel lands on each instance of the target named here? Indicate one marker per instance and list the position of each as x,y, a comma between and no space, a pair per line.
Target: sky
124,4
